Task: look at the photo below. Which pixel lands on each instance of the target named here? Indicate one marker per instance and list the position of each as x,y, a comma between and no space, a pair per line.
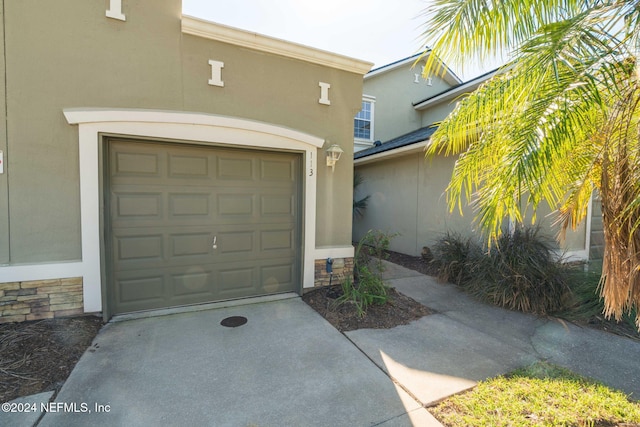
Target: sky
378,31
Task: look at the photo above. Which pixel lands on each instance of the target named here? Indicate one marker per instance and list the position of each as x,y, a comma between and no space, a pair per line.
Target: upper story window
363,122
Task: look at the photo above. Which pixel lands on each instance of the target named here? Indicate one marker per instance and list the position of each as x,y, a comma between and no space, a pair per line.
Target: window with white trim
363,122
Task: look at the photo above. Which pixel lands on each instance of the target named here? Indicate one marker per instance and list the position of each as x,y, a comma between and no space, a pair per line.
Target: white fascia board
214,31
449,76
386,68
453,93
396,152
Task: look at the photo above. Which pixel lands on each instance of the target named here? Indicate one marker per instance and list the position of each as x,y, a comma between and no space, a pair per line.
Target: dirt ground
38,356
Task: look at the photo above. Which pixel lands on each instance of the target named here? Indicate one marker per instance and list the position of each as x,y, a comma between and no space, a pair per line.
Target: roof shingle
414,137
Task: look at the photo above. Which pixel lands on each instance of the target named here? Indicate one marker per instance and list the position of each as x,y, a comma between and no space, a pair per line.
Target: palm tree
560,120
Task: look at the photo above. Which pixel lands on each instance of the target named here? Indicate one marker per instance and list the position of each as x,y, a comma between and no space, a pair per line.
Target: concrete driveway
288,366
285,366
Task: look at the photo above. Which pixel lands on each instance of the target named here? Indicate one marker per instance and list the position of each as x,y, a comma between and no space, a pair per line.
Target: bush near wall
520,271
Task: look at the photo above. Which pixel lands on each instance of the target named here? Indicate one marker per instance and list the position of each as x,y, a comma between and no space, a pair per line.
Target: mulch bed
38,356
412,262
398,310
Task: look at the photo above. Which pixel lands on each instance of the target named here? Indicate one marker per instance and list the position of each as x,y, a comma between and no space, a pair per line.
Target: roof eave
395,152
449,76
454,92
214,31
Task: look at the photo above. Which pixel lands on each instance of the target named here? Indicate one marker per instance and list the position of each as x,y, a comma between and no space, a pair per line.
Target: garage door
193,224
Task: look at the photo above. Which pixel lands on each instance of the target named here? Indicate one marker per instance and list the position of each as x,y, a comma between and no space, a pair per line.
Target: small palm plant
359,206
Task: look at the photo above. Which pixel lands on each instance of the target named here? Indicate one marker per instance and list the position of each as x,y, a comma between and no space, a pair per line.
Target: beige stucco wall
395,91
407,197
437,113
69,55
546,218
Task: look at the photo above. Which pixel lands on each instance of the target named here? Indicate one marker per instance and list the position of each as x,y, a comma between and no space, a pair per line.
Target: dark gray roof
414,137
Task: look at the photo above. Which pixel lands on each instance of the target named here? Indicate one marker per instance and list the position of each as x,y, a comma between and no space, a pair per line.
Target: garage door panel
189,204
277,205
235,204
189,166
136,164
141,288
267,277
190,244
153,247
273,170
276,277
139,247
236,279
193,282
236,243
169,202
270,205
235,168
262,240
138,205
273,240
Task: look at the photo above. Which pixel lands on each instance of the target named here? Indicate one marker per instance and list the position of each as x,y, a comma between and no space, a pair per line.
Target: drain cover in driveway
233,321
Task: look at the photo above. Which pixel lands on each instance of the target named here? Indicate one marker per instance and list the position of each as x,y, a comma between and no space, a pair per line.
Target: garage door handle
213,245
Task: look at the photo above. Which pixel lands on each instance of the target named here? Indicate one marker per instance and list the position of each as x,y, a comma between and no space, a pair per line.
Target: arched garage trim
184,127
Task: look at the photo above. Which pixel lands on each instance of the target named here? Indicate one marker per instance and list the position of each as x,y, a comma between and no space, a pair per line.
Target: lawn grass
539,395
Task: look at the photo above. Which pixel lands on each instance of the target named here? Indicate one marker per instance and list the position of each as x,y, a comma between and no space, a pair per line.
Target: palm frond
561,119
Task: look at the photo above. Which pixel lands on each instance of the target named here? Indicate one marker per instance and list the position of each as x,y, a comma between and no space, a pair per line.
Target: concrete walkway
288,366
467,341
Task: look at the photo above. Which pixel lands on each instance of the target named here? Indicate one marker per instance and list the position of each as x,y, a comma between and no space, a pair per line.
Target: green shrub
519,271
452,254
586,302
585,299
369,290
522,273
369,287
371,250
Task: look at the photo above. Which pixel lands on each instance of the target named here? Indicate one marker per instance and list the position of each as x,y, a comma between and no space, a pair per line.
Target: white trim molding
30,272
216,73
214,31
115,10
335,252
449,76
181,127
324,93
372,101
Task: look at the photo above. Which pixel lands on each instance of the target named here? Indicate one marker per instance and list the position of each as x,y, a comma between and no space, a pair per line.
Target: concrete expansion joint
383,422
393,380
532,340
